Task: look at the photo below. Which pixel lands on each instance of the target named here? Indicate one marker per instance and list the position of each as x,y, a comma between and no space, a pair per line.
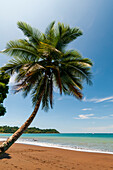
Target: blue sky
94,17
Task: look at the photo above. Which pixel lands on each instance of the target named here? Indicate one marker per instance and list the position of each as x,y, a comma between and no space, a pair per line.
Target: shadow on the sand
5,155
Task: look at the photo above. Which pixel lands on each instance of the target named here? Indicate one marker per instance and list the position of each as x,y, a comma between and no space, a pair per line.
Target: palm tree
42,62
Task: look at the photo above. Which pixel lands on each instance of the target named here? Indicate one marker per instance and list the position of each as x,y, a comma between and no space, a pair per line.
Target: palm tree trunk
5,145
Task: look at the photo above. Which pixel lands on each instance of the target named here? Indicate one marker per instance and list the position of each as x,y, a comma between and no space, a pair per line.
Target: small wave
3,139
44,144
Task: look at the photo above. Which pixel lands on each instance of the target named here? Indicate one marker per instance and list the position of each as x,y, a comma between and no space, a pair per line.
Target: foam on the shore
61,147
45,144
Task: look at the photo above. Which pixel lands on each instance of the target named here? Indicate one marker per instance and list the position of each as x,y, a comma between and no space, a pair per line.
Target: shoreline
22,156
67,148
91,143
63,147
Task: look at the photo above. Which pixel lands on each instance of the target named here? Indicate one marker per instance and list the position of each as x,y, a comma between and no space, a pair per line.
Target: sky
95,18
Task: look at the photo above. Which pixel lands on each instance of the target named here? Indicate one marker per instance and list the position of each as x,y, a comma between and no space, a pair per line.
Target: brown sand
29,157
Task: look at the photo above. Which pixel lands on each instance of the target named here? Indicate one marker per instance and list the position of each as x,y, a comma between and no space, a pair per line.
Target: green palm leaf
33,34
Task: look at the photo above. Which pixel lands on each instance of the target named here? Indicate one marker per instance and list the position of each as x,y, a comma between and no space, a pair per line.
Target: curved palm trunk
5,145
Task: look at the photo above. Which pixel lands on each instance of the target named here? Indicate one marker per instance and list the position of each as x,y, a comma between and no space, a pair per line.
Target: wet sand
29,157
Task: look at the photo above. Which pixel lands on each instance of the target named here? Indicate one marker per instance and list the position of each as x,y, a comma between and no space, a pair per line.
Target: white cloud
12,80
104,99
84,116
87,109
101,117
91,116
84,99
98,100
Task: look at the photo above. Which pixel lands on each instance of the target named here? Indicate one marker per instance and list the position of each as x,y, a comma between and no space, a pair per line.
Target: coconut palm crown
41,62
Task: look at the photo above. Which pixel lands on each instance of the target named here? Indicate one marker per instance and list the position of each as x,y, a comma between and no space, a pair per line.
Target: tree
42,62
4,79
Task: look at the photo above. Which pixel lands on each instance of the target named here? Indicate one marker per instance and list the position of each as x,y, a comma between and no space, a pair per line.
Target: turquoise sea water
101,142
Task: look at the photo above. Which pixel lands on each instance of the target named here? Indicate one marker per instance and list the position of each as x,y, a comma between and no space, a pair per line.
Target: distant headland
8,129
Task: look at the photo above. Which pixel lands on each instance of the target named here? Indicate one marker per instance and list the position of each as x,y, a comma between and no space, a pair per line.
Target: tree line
8,129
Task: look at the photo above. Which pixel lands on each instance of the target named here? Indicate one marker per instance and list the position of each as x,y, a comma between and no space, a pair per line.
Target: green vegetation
4,79
8,129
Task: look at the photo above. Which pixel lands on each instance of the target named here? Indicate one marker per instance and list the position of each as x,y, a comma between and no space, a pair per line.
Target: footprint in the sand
16,166
6,163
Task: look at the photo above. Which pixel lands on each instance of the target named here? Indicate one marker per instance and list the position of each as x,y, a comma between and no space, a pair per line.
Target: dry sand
29,157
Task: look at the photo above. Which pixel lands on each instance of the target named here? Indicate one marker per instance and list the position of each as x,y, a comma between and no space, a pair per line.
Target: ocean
86,142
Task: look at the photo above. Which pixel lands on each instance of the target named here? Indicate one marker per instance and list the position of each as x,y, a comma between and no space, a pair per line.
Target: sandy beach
29,157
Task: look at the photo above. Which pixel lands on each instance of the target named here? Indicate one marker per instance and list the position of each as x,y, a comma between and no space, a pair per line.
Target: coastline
21,156
65,148
93,143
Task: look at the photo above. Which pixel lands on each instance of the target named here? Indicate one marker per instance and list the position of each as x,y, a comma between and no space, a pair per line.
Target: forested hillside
8,129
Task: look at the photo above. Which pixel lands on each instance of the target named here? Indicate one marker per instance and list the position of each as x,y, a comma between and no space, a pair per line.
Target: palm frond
36,92
57,77
45,98
18,48
75,92
75,57
51,91
66,35
16,64
82,72
34,35
68,77
49,28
